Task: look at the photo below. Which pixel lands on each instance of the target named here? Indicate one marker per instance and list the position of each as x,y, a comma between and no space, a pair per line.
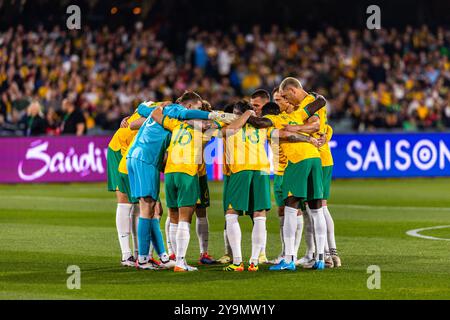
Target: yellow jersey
185,148
126,138
123,136
123,162
245,150
202,166
325,151
225,168
297,151
279,158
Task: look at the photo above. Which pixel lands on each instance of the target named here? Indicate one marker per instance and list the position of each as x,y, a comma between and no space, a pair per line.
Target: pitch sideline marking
415,233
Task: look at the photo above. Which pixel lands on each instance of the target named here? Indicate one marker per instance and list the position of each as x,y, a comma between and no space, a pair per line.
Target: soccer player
228,255
133,123
303,180
181,179
332,258
127,206
258,99
202,223
271,118
248,187
279,163
327,167
299,171
144,163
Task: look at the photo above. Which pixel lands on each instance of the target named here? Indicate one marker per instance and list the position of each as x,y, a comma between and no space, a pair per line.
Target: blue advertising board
391,155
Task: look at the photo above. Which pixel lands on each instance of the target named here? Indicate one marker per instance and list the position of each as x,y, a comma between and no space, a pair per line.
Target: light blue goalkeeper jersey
152,140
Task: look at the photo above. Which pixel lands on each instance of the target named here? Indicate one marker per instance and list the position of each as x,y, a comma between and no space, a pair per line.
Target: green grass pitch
46,228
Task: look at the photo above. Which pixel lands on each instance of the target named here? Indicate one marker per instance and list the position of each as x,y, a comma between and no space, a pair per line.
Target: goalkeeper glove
222,116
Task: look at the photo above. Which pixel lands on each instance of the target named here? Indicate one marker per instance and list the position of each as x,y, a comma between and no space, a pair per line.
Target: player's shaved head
290,82
261,93
258,99
292,90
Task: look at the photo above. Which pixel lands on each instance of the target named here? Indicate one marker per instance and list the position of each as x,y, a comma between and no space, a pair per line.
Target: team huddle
171,138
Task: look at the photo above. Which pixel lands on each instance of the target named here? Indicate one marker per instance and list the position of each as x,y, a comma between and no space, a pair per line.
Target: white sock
227,243
309,234
298,234
258,235
263,248
289,229
166,231
183,237
320,231
202,229
134,218
234,237
331,240
173,228
281,235
123,228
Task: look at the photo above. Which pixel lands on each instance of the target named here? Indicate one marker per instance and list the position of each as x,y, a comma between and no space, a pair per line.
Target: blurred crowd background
56,81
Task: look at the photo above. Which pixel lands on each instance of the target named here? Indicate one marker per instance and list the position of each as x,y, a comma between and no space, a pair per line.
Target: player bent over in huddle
332,258
181,180
303,179
295,182
248,187
202,224
127,210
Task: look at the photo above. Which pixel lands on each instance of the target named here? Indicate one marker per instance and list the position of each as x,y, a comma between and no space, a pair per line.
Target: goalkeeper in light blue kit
144,163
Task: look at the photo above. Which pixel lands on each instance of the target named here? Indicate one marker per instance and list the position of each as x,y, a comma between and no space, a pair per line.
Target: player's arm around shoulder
260,123
312,107
237,124
164,120
137,124
312,125
157,115
284,135
325,138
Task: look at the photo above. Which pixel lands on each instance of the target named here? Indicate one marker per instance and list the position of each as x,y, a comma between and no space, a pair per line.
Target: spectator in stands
73,121
34,121
386,79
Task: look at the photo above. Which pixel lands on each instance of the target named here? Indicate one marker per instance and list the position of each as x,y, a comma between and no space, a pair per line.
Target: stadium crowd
373,79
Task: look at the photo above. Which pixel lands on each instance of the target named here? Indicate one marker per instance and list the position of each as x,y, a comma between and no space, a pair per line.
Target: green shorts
277,191
182,190
248,191
303,179
204,192
117,181
327,175
224,192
